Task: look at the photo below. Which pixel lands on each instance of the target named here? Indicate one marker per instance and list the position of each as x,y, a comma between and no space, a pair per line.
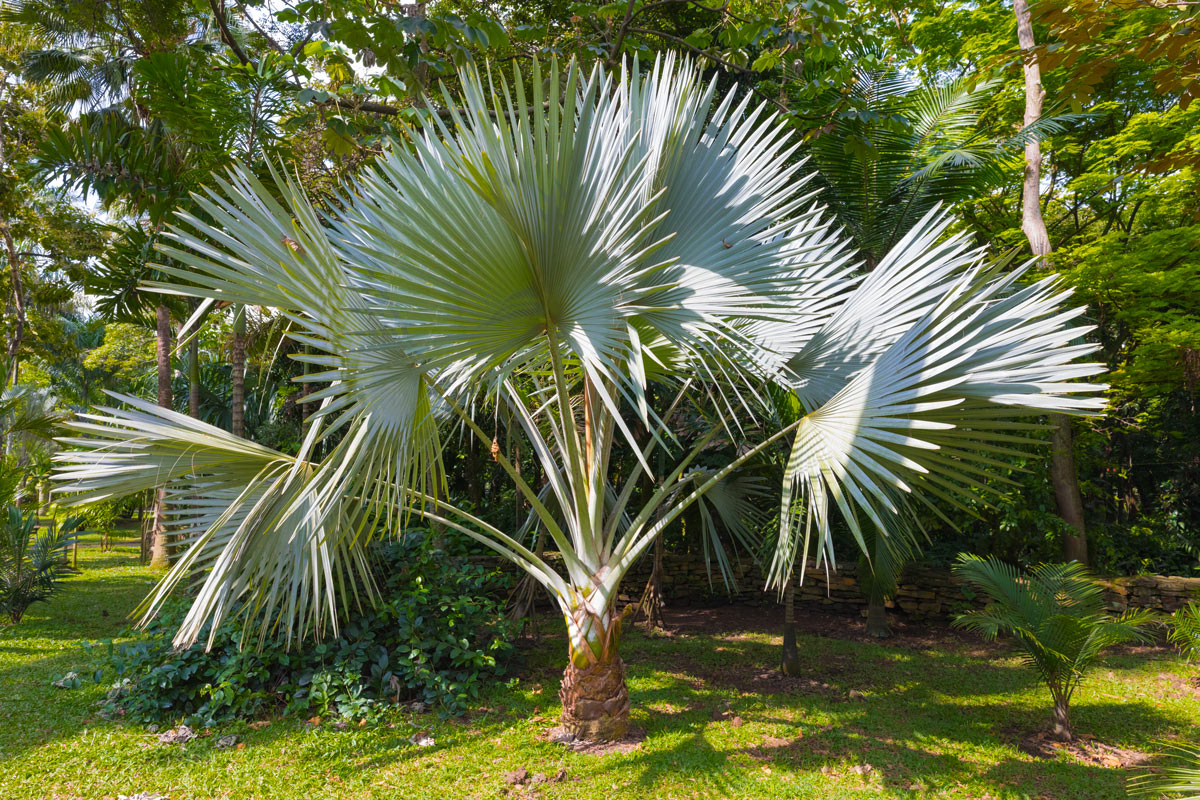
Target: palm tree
556,246
31,563
1057,614
901,151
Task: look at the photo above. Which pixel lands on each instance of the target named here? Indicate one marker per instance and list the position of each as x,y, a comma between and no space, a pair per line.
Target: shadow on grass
920,718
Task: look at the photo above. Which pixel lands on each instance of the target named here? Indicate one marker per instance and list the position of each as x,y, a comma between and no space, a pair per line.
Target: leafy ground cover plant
1057,615
32,560
437,637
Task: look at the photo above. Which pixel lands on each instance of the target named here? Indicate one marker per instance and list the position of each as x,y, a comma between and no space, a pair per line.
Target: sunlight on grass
941,722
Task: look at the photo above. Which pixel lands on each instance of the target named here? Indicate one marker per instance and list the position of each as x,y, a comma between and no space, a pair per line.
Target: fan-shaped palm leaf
559,240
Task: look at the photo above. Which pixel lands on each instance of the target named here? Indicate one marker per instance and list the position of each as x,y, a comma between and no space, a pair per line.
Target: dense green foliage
439,637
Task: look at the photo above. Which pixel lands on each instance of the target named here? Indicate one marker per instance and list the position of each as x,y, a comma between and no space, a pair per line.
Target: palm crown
558,248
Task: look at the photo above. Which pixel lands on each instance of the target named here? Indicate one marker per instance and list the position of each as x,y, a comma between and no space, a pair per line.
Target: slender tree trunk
791,658
877,620
160,556
238,370
194,377
650,607
16,339
1064,476
594,696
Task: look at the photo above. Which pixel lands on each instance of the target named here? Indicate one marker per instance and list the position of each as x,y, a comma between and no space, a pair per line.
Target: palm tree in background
558,244
142,73
899,152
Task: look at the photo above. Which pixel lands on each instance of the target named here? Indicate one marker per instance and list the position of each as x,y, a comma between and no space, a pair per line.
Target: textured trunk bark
238,371
877,620
1063,475
1062,721
160,554
594,696
650,607
791,658
595,700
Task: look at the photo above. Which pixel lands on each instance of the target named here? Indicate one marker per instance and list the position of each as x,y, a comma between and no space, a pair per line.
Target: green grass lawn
939,716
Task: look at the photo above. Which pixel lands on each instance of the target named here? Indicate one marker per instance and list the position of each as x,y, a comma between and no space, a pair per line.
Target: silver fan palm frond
559,242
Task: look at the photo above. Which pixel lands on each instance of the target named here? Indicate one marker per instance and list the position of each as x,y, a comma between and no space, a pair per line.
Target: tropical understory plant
1184,631
32,561
1056,613
555,244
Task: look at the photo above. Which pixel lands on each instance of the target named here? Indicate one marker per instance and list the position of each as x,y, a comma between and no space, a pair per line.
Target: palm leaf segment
587,238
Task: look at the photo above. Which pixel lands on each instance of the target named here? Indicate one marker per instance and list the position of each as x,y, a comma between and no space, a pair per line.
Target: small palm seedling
31,562
1179,778
1185,631
1056,613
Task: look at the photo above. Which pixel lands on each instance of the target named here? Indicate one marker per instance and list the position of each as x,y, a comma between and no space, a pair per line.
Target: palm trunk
160,556
594,696
651,605
16,338
194,378
238,370
877,620
791,658
1064,476
1062,720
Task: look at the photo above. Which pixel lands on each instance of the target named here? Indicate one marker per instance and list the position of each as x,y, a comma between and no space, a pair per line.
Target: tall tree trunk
16,339
194,377
791,658
238,370
594,696
1064,476
160,555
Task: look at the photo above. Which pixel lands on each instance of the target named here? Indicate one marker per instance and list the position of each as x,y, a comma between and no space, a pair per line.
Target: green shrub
437,636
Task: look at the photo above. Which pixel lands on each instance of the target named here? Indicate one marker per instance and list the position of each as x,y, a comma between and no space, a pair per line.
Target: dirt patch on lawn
1084,749
1179,685
727,620
632,741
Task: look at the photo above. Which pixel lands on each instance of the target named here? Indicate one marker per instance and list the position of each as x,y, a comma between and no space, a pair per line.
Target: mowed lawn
930,715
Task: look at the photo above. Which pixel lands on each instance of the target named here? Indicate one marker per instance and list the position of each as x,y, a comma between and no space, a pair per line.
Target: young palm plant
555,245
31,562
1057,615
1184,631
